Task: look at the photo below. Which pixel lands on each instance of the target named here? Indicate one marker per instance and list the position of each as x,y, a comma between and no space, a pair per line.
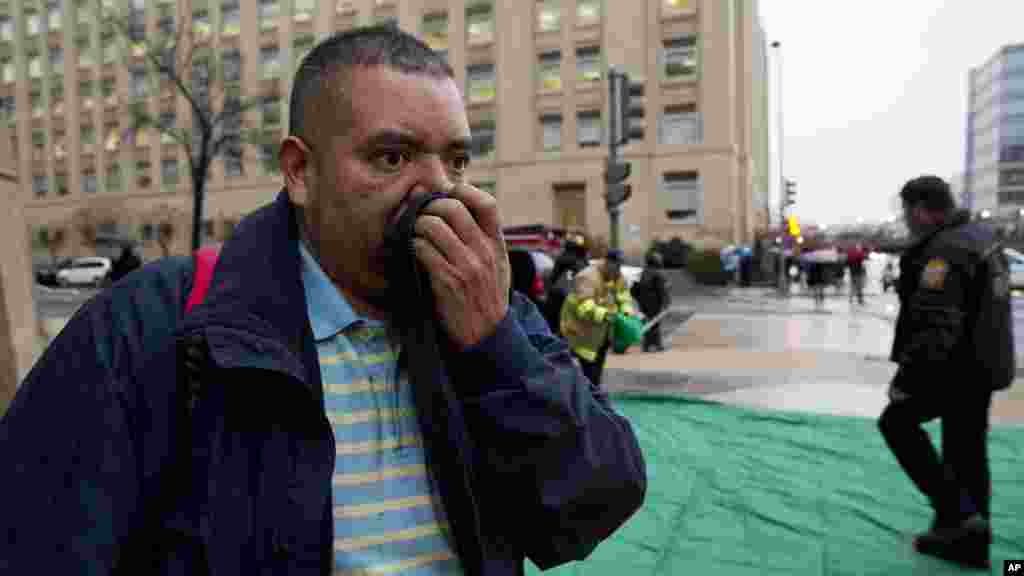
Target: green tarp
737,491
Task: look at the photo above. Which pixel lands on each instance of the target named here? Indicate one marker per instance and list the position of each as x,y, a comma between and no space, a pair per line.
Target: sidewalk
830,364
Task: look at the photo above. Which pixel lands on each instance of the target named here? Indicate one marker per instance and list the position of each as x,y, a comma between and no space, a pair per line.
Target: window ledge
587,85
677,81
668,14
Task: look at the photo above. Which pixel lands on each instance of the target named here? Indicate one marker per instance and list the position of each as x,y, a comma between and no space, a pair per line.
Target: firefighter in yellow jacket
598,293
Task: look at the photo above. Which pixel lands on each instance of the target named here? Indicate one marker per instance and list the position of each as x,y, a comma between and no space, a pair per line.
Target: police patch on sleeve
933,277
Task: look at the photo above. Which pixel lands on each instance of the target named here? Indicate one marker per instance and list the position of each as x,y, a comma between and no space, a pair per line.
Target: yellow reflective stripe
414,562
360,416
599,313
377,445
364,510
357,478
359,542
585,307
365,359
360,385
586,353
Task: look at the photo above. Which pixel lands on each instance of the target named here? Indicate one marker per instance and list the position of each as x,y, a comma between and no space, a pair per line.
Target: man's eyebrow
460,144
394,138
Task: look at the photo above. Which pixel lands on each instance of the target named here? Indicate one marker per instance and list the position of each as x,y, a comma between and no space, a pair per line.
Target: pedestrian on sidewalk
855,256
954,346
651,293
253,432
599,293
570,262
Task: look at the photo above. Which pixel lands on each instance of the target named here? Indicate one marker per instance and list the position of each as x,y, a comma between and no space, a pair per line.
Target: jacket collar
958,218
254,314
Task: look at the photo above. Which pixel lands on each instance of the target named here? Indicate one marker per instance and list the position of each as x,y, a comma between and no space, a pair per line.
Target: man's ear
296,165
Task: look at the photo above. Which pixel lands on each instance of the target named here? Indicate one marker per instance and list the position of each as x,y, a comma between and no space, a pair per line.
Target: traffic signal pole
614,210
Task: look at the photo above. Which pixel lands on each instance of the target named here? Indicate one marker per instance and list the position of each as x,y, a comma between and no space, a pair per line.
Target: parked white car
91,270
1016,261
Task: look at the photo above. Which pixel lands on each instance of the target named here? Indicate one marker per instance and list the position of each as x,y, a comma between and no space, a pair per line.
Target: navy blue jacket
103,472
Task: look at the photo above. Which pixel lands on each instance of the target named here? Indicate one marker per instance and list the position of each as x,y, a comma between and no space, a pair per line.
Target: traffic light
792,226
790,192
615,175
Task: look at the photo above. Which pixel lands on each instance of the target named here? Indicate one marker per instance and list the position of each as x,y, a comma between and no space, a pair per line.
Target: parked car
91,270
1016,262
530,269
46,274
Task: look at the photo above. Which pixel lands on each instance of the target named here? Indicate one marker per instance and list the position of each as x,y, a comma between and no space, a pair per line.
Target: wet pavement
751,347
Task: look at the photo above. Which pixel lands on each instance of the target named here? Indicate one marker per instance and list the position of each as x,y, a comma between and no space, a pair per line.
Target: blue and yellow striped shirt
387,520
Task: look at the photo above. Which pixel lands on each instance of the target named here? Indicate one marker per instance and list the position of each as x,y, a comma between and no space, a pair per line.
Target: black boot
966,543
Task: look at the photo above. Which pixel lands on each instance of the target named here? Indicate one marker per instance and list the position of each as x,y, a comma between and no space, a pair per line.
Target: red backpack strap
204,260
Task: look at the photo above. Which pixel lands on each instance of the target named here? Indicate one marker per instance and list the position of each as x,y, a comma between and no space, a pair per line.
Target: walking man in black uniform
954,346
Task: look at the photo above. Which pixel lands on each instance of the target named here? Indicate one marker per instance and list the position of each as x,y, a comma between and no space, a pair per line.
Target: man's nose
432,174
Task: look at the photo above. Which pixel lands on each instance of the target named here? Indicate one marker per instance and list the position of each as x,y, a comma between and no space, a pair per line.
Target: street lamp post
782,277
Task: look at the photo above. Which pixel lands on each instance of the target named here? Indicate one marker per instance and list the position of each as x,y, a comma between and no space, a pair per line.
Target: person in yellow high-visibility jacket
598,293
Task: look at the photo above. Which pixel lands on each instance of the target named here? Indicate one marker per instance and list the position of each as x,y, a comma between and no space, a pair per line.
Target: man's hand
459,242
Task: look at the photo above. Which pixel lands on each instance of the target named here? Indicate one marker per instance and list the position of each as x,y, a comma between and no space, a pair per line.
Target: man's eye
389,160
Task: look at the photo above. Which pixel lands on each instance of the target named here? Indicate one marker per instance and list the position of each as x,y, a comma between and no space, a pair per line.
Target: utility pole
783,276
616,172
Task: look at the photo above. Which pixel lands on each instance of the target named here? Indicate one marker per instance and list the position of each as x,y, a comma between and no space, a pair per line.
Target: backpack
194,353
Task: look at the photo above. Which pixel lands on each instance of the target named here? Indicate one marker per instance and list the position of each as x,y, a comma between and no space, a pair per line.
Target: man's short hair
382,45
930,191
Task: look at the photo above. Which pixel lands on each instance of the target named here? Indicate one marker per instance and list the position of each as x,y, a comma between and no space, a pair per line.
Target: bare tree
166,222
91,219
52,239
182,59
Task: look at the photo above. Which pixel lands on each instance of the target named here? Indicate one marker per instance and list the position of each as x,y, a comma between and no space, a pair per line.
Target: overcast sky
874,93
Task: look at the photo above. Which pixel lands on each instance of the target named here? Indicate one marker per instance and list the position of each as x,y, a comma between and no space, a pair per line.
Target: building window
85,59
588,12
165,21
588,128
60,181
201,26
233,162
112,138
588,64
304,10
56,59
268,13
302,45
681,196
137,84
549,14
114,177
85,93
680,56
6,29
166,123
480,80
57,96
680,125
435,31
479,21
169,172
232,60
551,131
272,112
271,62
35,67
88,135
230,18
89,181
550,70
60,145
678,4
7,111
10,75
142,177
34,23
482,145
53,15
146,232
40,185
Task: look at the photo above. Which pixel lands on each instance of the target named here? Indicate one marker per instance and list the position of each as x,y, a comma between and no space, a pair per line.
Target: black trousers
962,472
652,338
594,370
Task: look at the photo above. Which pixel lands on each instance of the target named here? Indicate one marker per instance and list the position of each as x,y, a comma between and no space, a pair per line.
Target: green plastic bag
626,331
